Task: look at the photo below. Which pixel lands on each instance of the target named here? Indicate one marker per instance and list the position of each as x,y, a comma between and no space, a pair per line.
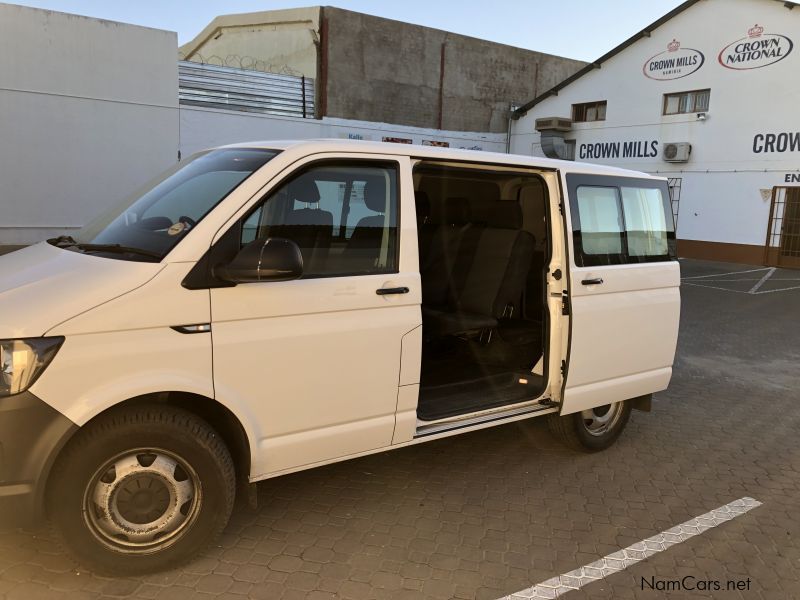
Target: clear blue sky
582,29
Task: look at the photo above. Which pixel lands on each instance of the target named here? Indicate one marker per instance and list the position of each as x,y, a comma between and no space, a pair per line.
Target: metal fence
213,86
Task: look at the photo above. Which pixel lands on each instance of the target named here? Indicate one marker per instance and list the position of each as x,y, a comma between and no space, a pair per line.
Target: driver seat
310,227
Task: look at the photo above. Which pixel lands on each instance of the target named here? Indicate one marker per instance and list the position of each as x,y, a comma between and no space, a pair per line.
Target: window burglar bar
212,86
783,232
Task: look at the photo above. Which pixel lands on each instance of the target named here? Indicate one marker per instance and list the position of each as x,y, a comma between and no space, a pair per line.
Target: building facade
88,112
379,70
708,97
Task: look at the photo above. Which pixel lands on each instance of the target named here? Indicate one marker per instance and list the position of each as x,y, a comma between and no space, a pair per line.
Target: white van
270,307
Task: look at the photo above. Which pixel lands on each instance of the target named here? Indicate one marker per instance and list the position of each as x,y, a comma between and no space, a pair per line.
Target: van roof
437,153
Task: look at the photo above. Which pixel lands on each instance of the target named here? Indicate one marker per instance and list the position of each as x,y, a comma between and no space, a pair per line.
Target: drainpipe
512,111
322,80
512,116
441,84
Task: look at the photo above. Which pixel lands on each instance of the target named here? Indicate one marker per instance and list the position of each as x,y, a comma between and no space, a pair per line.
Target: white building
84,119
709,96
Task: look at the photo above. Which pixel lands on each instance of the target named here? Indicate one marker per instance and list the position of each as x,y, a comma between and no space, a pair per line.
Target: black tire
573,431
203,476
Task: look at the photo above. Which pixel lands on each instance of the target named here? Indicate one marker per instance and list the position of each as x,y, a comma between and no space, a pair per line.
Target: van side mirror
271,259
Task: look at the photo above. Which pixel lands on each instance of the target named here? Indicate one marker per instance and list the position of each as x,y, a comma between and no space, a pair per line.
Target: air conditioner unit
677,151
553,124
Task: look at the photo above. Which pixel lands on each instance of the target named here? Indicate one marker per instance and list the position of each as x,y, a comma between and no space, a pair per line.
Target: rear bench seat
443,233
474,274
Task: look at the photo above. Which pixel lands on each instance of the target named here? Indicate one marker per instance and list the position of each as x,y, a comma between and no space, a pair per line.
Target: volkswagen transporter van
270,307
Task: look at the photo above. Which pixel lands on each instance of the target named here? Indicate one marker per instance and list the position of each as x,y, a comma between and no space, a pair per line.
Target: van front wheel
593,429
141,489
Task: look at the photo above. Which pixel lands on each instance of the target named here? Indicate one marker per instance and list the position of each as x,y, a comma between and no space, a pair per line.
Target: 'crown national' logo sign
757,50
674,63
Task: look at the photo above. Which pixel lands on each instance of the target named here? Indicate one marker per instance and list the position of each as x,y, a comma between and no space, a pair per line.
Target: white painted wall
203,128
721,197
88,111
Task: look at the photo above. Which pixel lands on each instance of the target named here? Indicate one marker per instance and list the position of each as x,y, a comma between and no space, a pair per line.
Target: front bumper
31,434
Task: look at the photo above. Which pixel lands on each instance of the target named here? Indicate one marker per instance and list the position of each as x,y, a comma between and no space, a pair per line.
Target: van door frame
267,460
554,290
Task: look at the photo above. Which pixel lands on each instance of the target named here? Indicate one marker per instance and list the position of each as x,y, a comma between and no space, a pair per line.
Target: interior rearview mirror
271,259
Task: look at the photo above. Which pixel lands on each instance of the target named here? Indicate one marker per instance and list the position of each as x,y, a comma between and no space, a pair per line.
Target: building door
783,232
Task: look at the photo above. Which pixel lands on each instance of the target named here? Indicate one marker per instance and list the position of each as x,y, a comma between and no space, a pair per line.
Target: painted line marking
622,559
762,281
778,290
704,280
724,274
758,293
740,280
712,287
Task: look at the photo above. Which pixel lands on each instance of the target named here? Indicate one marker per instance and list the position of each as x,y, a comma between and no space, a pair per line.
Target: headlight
22,361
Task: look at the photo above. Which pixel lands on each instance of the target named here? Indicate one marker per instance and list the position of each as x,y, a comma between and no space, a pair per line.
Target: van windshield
147,225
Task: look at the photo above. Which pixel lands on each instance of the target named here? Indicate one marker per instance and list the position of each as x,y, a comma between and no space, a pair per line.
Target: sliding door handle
595,281
387,291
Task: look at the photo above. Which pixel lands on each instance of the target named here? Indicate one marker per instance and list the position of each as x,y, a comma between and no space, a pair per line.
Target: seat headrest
505,214
304,189
455,211
375,194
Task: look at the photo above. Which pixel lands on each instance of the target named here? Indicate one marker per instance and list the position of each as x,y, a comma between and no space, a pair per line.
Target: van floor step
442,401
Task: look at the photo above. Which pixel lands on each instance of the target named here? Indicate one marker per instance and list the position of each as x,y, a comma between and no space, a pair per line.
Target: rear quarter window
620,220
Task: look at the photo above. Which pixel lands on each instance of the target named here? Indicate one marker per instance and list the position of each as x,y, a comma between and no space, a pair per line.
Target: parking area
492,513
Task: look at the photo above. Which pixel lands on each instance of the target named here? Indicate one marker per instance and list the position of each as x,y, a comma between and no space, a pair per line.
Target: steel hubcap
601,419
142,499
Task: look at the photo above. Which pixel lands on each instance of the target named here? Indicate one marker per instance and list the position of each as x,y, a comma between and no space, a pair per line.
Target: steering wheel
188,220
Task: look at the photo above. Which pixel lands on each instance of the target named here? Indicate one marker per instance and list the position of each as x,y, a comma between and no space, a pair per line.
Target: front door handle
595,281
387,291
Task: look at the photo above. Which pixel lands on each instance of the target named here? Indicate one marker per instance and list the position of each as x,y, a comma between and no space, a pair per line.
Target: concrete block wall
393,72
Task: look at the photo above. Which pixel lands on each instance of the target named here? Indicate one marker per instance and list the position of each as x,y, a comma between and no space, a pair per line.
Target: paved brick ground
490,513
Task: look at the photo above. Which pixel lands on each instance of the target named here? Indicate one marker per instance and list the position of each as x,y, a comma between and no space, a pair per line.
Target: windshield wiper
66,241
118,249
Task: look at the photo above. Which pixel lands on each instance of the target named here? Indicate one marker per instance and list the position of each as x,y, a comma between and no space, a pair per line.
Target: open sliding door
624,290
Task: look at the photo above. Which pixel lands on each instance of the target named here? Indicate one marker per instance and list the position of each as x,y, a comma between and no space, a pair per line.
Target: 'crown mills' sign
674,63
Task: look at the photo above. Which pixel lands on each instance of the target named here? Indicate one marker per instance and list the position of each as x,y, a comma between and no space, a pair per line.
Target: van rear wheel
141,489
593,429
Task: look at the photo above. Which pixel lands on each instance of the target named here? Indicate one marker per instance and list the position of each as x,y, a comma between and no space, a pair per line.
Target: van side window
620,220
645,221
601,220
343,216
